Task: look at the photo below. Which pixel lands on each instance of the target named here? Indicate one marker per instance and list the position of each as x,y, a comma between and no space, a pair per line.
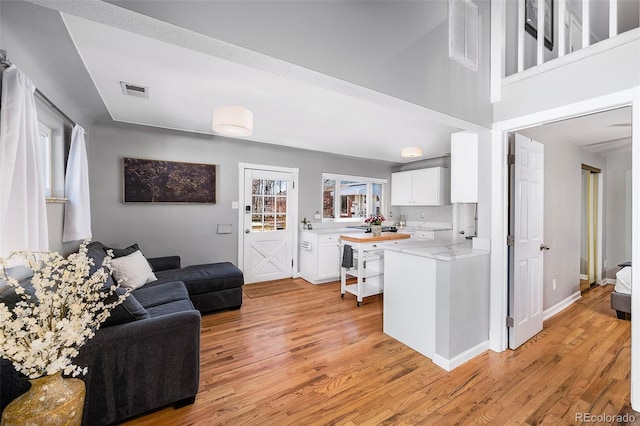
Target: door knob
544,247
246,231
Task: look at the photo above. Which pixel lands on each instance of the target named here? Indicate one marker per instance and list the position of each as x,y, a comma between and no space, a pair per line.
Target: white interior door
268,225
527,209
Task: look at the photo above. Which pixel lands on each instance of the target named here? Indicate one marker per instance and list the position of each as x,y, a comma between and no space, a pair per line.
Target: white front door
527,212
268,225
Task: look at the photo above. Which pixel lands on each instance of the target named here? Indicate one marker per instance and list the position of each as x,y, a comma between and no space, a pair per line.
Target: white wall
190,230
599,21
617,210
37,42
399,48
562,207
578,81
530,48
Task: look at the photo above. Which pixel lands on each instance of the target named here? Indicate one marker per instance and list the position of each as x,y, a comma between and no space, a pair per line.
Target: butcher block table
366,262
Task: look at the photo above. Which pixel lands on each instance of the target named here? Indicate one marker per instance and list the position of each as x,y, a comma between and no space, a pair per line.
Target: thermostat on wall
224,229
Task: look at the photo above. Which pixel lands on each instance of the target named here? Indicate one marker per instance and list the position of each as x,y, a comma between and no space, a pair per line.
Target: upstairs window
351,198
464,32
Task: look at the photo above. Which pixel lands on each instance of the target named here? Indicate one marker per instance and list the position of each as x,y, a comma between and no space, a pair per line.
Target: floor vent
134,90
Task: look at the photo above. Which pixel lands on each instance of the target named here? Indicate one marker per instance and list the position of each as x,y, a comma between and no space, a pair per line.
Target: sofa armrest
140,366
164,263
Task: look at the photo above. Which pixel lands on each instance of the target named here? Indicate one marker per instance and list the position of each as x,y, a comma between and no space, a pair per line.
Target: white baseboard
456,361
606,281
561,306
584,277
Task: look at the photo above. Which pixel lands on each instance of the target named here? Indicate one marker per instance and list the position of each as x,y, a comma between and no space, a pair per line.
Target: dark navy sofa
147,354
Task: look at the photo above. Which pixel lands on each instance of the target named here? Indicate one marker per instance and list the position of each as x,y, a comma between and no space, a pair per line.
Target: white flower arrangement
43,332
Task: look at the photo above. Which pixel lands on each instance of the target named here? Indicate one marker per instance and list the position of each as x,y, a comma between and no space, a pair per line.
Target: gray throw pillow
128,311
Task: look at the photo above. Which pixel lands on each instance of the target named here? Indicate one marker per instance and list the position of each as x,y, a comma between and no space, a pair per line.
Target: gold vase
51,400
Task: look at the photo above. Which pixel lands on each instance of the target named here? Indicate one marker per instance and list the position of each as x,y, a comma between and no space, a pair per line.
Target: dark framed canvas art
156,181
531,20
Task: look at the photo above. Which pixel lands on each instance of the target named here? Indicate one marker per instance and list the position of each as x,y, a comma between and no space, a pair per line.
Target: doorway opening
590,236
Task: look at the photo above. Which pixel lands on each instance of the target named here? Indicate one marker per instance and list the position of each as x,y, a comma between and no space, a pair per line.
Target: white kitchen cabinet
319,257
464,167
422,187
428,234
328,257
402,188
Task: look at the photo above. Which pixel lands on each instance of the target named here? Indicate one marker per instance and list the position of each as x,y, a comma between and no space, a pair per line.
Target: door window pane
269,222
269,196
281,187
269,204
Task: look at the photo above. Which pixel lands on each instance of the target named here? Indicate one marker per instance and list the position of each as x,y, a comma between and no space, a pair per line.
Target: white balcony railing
568,26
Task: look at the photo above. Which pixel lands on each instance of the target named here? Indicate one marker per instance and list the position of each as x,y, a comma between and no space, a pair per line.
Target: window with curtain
55,139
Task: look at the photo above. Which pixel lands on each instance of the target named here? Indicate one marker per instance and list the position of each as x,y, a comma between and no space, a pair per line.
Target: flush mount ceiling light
411,151
232,120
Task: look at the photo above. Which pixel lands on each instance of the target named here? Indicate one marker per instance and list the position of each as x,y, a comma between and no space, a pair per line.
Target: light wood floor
308,357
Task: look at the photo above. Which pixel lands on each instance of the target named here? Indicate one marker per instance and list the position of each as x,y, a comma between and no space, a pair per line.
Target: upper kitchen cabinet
422,187
464,167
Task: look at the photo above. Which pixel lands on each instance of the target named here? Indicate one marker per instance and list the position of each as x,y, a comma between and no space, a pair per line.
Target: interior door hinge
510,240
511,159
509,321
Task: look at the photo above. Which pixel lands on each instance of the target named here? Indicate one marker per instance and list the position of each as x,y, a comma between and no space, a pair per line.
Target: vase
376,230
51,400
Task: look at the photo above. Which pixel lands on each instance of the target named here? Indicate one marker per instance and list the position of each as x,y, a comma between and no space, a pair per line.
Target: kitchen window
351,198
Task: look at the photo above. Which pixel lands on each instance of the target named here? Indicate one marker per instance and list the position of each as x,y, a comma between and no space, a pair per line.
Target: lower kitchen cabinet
319,257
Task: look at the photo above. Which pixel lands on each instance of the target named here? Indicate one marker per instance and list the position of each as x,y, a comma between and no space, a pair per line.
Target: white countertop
446,250
321,228
421,228
324,231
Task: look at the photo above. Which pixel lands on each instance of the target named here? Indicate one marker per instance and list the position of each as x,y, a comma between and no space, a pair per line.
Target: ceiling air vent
134,90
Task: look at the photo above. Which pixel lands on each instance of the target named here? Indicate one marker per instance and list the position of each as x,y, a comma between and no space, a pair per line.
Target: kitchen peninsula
365,263
436,299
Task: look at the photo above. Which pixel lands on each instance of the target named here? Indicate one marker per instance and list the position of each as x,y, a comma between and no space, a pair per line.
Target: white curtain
77,211
23,215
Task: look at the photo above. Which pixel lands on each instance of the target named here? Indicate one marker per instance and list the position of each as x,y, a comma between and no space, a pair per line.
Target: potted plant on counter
376,224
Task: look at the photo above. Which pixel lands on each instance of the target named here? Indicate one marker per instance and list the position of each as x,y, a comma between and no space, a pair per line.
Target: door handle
246,231
544,247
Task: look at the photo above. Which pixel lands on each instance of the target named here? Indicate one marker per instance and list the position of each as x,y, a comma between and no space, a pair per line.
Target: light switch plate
225,229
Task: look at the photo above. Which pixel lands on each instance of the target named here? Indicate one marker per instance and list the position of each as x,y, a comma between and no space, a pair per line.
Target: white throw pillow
132,271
